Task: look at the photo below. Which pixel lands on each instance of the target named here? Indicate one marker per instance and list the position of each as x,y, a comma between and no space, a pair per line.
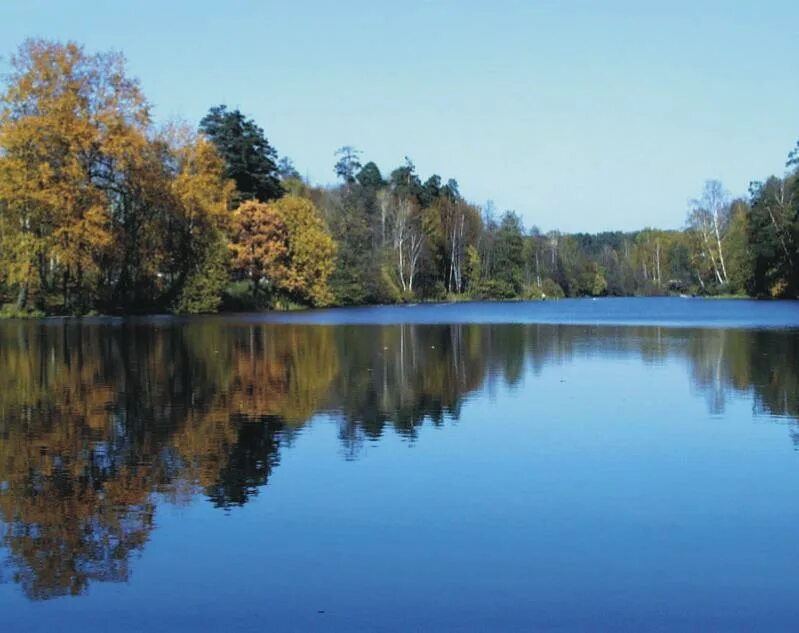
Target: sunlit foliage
102,211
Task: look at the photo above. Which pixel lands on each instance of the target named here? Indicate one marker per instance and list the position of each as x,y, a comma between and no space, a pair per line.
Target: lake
617,464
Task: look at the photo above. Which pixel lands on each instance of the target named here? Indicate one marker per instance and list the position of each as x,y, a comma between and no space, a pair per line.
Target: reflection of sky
599,491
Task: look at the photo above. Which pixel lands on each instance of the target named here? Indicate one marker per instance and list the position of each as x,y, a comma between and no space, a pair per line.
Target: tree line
102,210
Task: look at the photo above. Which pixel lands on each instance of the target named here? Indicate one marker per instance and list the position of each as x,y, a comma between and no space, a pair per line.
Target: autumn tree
96,207
311,251
201,194
69,123
285,247
259,243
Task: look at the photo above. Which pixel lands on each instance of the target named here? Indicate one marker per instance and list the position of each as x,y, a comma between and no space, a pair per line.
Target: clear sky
578,115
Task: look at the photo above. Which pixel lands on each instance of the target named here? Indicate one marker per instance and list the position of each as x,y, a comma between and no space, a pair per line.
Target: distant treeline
100,210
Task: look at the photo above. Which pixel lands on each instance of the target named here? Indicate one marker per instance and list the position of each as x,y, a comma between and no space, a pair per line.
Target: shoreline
309,309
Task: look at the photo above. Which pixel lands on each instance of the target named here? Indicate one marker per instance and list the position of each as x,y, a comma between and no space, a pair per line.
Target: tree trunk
537,270
22,296
718,243
657,255
712,257
65,288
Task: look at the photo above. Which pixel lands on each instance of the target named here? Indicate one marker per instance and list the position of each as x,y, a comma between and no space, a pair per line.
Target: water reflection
100,423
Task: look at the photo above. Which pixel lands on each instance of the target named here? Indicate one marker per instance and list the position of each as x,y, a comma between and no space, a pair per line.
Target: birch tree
710,219
407,239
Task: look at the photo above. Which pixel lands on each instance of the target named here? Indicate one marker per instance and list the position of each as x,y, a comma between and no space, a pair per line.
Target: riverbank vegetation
101,210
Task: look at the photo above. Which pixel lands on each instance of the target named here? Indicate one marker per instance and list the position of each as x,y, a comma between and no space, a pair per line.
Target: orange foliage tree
259,243
285,246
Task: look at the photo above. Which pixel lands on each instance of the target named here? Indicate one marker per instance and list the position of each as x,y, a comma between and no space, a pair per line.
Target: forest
103,211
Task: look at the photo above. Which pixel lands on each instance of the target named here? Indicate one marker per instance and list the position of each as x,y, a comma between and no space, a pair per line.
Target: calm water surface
574,465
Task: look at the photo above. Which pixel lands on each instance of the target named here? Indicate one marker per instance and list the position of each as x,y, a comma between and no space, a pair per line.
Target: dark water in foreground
494,470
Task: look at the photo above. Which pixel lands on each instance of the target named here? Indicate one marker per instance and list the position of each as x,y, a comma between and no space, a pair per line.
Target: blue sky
578,115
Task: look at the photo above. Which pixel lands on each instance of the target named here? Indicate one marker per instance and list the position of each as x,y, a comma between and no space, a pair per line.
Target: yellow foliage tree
311,250
284,244
260,245
202,196
68,122
96,207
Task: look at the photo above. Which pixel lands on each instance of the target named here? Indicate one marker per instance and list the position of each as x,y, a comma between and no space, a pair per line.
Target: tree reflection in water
100,422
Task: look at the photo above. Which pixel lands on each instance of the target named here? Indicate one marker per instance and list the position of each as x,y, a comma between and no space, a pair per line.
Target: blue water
569,466
665,311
